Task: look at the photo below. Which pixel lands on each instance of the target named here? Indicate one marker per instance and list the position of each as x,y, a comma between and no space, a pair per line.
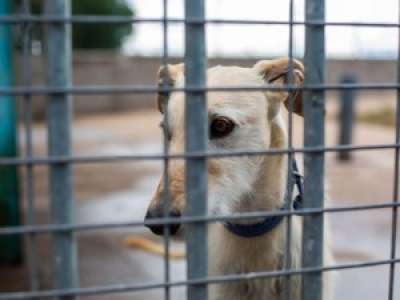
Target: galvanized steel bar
58,47
287,290
196,140
124,288
26,70
395,211
51,228
166,192
314,110
87,159
100,19
151,89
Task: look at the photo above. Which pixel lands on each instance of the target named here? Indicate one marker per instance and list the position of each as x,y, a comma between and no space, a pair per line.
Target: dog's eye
221,127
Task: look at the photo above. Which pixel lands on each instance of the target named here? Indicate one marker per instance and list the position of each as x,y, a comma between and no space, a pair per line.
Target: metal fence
59,91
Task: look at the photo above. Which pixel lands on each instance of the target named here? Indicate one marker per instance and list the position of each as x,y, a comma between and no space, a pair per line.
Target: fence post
314,110
59,113
196,140
346,116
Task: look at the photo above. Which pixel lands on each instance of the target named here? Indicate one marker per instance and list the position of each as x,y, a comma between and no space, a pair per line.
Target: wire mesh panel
195,155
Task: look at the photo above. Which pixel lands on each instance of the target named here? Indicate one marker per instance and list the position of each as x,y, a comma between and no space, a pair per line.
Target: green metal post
10,250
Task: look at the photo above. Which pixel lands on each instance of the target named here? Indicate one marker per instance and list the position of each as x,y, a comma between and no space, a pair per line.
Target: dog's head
236,120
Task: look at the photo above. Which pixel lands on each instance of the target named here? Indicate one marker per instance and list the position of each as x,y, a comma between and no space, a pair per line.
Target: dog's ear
166,77
276,72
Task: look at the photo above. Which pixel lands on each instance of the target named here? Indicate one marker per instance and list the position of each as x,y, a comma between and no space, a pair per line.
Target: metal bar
146,89
59,125
33,258
95,19
196,136
52,228
287,290
192,155
314,127
166,192
346,116
123,288
393,239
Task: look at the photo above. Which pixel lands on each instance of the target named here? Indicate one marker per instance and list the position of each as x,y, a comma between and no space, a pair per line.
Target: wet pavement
120,192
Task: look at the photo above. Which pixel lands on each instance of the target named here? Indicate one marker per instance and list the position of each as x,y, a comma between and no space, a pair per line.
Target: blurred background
119,124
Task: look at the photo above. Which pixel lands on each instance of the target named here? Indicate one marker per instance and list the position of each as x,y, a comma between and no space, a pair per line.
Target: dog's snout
159,228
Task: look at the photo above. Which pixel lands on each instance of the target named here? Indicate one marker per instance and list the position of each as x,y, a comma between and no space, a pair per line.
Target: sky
268,40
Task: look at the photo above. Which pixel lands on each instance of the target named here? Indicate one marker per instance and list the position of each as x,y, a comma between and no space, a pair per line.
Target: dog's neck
269,187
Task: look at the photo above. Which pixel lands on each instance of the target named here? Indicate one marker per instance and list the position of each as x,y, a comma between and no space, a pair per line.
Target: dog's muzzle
159,228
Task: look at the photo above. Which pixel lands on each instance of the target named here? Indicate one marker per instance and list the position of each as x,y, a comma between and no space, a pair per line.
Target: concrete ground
116,192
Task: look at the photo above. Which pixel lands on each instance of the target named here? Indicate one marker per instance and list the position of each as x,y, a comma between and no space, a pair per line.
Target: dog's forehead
232,76
225,102
237,77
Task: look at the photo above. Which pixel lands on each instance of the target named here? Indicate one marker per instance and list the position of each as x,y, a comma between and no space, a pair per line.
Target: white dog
239,120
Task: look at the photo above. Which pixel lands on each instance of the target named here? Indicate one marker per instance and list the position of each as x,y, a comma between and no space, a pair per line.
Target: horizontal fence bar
95,19
220,154
145,89
50,228
123,288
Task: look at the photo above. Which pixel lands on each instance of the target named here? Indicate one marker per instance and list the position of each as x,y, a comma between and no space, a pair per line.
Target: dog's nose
159,228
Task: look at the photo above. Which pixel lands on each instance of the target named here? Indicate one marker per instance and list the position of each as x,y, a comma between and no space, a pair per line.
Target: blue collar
270,222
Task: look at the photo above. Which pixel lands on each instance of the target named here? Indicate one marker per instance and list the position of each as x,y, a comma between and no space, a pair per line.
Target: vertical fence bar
314,109
395,212
166,193
287,291
59,126
26,70
196,140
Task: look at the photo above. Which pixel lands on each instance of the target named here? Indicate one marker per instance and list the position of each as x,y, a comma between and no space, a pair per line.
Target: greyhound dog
239,120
